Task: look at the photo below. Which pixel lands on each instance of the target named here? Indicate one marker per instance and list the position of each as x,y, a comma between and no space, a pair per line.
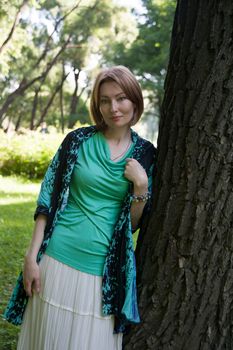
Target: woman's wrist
140,193
30,257
140,188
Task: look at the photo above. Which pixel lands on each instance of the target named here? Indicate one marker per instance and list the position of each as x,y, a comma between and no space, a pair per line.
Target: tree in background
3,13
40,53
148,54
185,254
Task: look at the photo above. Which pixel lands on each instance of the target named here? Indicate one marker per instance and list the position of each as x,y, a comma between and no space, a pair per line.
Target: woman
79,271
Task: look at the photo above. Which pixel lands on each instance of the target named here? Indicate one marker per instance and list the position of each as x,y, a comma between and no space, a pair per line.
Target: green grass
17,205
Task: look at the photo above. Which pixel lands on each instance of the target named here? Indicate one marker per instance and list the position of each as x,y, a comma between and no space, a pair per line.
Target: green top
98,187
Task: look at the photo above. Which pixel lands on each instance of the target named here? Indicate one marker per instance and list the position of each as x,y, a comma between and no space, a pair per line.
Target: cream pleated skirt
67,313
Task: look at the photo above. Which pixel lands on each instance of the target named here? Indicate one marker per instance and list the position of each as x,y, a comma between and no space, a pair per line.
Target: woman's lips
116,117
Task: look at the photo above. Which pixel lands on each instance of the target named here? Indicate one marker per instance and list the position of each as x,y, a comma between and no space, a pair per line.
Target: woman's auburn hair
128,83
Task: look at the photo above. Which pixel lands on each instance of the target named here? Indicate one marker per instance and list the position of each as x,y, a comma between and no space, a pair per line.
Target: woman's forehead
110,88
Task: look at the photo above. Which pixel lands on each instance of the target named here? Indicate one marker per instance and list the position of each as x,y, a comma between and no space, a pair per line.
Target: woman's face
117,110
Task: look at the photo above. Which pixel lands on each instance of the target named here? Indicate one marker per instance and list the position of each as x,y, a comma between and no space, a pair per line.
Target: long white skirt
67,313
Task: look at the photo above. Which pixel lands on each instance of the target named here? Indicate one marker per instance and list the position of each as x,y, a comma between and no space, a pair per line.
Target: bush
27,155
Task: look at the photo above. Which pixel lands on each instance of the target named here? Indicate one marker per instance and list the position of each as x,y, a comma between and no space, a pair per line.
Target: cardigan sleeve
150,173
47,185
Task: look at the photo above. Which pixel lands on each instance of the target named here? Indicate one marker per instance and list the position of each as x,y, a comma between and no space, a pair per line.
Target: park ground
17,205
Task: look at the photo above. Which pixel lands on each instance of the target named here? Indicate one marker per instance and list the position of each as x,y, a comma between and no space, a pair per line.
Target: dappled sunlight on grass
13,184
17,190
13,199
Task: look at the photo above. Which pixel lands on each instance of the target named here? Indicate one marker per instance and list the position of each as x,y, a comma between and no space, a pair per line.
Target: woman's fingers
36,285
32,286
28,288
31,278
135,172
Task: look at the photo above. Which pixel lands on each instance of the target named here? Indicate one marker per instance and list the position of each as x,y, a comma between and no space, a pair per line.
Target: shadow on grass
16,223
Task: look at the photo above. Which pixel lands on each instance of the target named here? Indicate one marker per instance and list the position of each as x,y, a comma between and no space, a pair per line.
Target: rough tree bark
185,252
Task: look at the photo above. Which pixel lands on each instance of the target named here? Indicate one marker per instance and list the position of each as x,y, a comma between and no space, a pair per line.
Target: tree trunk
61,100
23,86
34,108
74,99
50,101
185,252
18,122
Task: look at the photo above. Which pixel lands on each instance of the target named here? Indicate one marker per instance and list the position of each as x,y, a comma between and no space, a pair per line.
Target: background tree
37,54
147,55
185,254
50,40
3,14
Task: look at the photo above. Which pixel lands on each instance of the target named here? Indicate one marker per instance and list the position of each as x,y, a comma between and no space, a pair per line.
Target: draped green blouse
98,187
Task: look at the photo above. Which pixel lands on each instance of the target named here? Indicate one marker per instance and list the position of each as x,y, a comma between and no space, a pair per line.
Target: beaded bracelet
141,198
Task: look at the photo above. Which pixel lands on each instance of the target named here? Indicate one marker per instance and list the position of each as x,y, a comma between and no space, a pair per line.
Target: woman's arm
31,275
137,174
47,186
137,207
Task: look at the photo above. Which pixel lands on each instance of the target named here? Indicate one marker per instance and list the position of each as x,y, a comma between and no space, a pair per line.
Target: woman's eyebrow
120,93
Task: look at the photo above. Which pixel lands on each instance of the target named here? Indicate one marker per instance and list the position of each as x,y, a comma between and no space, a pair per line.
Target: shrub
29,154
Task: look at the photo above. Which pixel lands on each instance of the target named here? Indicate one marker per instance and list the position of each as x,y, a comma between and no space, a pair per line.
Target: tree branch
45,111
14,25
46,49
24,85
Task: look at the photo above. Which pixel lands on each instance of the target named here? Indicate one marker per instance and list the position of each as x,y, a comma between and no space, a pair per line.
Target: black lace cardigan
119,278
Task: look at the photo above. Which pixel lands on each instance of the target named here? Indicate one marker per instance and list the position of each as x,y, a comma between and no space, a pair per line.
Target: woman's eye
122,98
103,101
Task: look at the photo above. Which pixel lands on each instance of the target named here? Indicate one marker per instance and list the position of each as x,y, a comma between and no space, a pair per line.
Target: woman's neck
117,136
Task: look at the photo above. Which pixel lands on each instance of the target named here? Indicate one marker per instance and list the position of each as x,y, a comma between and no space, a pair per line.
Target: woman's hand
136,173
31,276
31,273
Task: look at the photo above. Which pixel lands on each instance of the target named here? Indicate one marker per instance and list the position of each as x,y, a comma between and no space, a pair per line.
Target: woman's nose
113,106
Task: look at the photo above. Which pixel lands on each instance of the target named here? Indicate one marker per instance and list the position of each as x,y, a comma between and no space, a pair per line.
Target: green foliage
148,55
20,58
27,155
94,29
17,201
82,116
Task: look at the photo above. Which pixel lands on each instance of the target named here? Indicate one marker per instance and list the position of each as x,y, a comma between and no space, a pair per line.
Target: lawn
17,205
